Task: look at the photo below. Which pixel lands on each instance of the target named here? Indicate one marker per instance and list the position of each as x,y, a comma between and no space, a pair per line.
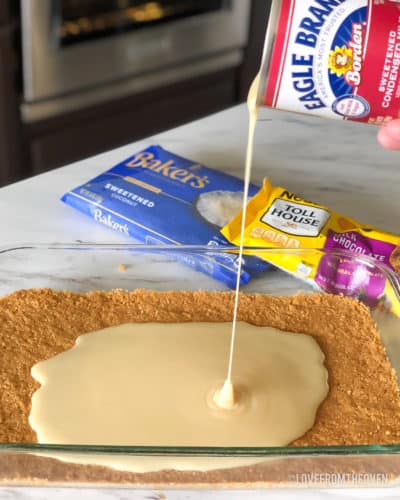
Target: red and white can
333,58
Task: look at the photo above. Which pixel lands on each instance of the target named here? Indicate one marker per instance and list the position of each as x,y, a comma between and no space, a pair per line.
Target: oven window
81,20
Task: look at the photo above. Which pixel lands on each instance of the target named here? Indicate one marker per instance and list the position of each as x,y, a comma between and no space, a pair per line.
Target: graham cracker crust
362,407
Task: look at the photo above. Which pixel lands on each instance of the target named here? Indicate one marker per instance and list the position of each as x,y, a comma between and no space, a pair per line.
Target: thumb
389,135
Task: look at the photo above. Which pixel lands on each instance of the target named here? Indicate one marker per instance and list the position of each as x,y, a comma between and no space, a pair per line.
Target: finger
389,135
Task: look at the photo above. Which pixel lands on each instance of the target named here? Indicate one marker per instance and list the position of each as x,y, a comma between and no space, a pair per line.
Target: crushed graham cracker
362,407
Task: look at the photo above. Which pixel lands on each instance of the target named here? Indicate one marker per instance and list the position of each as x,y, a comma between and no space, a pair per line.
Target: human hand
389,135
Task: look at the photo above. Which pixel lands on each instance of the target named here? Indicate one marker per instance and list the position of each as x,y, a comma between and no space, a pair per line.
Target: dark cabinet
80,134
11,164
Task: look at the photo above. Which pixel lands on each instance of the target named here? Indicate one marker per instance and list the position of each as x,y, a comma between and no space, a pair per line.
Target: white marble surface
126,494
337,164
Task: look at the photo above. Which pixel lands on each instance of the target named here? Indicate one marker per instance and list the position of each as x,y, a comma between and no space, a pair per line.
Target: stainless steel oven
70,46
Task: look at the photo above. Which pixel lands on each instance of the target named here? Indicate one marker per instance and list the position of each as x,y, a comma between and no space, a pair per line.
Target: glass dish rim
206,451
209,451
393,278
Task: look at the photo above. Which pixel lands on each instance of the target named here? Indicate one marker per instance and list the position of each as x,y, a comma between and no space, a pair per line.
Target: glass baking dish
86,267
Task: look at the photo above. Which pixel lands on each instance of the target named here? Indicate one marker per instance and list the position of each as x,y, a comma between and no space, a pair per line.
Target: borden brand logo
168,169
347,61
295,218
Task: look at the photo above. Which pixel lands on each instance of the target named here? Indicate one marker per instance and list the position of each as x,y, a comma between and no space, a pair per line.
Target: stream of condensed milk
157,384
152,384
226,396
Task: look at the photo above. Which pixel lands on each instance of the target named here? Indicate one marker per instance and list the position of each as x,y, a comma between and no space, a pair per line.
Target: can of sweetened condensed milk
333,58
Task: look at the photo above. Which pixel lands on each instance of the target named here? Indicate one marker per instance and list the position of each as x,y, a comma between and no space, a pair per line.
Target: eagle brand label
336,58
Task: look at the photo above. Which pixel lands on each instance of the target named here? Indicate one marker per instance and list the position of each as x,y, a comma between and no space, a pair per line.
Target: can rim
268,48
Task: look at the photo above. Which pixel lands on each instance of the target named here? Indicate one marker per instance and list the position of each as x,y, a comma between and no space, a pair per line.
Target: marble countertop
338,164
